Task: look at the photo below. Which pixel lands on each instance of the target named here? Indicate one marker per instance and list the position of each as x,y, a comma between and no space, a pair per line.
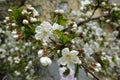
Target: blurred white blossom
69,58
44,31
45,61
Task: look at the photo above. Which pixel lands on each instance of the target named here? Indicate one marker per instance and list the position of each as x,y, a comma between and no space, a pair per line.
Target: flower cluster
28,45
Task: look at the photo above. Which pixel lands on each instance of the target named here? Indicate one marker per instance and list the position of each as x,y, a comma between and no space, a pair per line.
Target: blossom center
68,56
45,32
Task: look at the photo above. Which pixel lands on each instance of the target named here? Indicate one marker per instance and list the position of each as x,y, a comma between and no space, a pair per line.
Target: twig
86,68
96,7
80,23
90,19
85,21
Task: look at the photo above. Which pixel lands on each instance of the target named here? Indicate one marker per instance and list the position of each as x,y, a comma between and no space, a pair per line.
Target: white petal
71,66
76,60
74,52
38,29
38,36
65,51
57,27
40,53
62,70
62,61
49,61
46,25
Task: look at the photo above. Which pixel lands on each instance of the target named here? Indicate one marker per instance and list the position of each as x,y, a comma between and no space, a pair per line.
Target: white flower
28,77
114,4
7,18
69,58
24,12
16,48
43,32
74,27
10,10
9,59
29,7
38,36
16,59
2,55
25,21
103,3
35,13
116,8
40,53
14,34
45,61
98,64
13,24
79,30
115,33
99,32
28,44
88,50
94,44
5,21
108,20
17,73
88,13
85,2
97,67
30,63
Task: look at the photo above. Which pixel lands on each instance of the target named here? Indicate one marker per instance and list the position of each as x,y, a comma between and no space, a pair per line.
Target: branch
86,69
96,7
90,19
80,23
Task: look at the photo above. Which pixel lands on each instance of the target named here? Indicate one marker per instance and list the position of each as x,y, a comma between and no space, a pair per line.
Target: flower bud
45,61
17,73
7,18
40,53
25,21
13,24
35,13
9,10
33,19
61,11
24,12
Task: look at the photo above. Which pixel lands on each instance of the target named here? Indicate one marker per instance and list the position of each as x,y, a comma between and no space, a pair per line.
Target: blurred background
44,7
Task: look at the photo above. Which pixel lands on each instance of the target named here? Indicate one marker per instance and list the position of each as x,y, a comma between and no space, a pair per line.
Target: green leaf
73,35
17,13
115,15
104,63
61,20
62,37
28,33
113,59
